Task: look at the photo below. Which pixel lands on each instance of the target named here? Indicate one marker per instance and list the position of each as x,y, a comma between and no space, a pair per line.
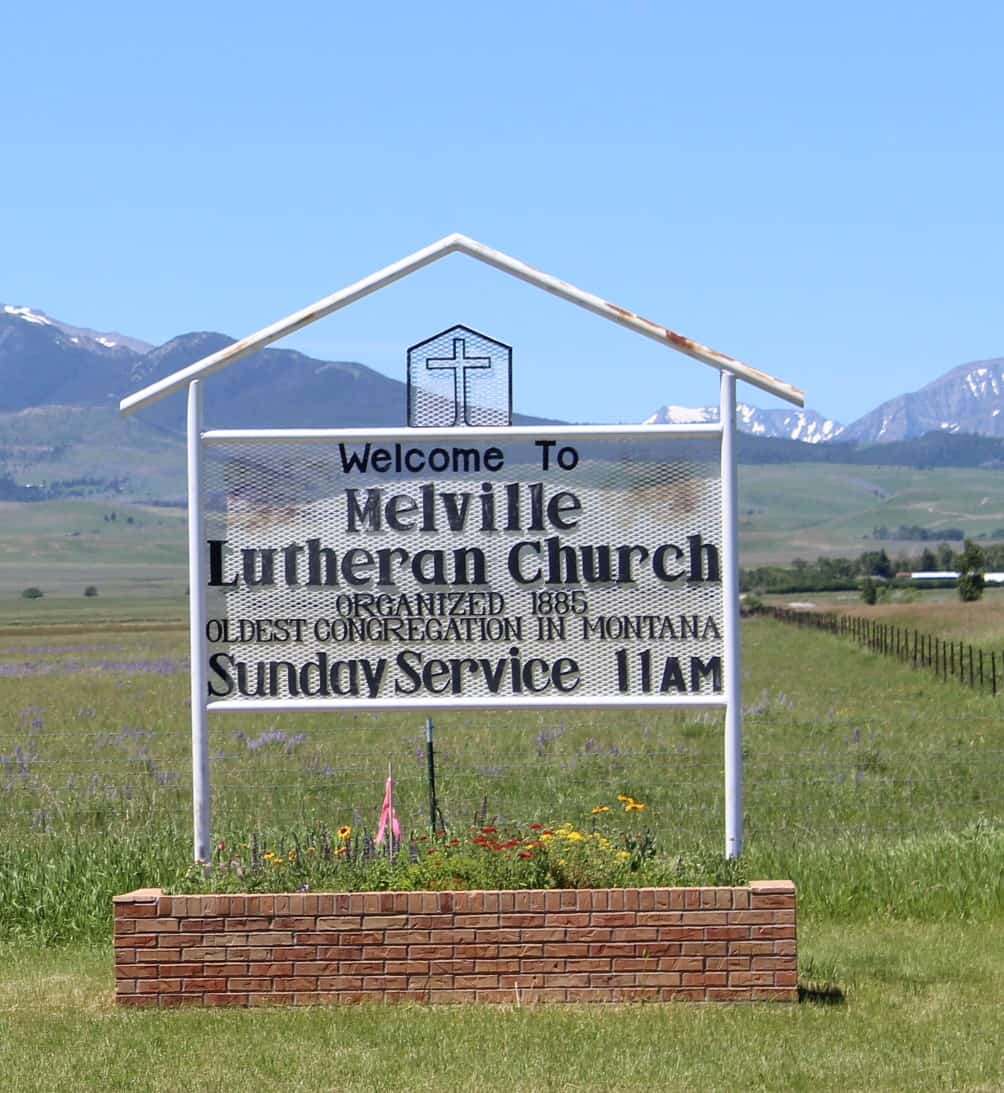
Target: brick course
591,945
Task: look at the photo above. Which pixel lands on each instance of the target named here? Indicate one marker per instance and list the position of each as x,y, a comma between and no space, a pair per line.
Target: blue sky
815,190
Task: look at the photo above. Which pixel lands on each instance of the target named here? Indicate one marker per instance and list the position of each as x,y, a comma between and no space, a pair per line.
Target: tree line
838,574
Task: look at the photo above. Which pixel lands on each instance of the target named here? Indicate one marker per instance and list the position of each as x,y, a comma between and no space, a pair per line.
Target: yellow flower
601,808
268,855
634,806
344,832
291,855
623,855
625,799
575,836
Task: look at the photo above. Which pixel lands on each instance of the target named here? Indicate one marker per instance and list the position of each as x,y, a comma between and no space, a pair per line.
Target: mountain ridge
44,361
807,426
968,398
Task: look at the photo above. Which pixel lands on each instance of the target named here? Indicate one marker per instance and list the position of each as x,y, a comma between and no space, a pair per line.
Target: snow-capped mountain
77,334
968,399
44,362
804,425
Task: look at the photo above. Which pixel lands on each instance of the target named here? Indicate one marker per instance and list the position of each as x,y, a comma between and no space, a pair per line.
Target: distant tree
91,590
946,556
869,592
32,594
837,568
876,563
972,567
928,560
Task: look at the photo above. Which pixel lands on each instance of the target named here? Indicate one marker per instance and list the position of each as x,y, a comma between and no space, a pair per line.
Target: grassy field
807,510
921,1010
936,611
786,511
49,444
876,788
852,761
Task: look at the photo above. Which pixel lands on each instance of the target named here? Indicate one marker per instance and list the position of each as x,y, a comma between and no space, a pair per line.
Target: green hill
806,510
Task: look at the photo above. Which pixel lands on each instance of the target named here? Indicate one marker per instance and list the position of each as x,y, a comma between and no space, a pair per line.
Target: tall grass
62,890
936,877
877,789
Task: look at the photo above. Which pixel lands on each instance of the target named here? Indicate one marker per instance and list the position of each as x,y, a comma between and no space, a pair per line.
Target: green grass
937,611
44,536
47,444
913,1008
807,510
876,788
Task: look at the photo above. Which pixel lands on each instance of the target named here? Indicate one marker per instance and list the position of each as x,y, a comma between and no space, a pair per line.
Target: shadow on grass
821,993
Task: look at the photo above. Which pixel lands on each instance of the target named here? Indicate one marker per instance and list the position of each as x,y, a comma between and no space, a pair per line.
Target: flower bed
724,944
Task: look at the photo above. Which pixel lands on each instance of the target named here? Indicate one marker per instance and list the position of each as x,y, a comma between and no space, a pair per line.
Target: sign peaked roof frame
461,244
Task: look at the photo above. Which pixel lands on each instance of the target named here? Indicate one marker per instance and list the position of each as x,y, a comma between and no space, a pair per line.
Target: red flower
525,854
454,842
511,843
536,827
488,830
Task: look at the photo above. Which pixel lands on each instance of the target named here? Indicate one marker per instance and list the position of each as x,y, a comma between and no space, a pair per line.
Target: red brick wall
600,945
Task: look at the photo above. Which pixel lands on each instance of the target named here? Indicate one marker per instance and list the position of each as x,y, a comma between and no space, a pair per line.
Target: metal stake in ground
430,756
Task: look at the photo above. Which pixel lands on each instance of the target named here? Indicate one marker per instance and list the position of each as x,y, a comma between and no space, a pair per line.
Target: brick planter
597,945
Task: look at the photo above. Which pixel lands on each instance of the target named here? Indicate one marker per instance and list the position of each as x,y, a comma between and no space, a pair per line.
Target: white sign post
461,566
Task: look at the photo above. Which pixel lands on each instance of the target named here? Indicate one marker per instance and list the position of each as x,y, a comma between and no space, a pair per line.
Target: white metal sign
464,567
461,566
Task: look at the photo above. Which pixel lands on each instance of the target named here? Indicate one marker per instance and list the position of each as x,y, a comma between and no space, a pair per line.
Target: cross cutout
457,363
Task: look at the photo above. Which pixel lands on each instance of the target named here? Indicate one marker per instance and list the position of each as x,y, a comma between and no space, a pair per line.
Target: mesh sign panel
515,569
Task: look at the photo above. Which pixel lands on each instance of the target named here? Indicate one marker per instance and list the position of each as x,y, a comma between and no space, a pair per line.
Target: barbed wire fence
960,661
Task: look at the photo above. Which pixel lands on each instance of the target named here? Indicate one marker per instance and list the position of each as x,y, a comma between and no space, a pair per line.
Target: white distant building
951,575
